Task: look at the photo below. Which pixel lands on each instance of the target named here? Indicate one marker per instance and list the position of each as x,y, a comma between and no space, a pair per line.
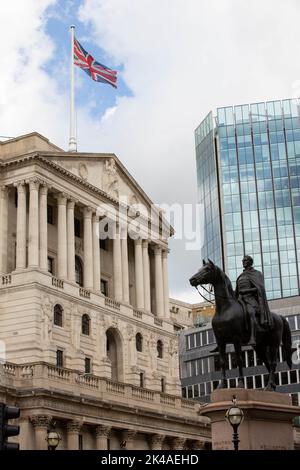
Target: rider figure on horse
250,292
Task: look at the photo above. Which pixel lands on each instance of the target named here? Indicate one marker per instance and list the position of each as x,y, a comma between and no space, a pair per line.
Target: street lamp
235,416
53,439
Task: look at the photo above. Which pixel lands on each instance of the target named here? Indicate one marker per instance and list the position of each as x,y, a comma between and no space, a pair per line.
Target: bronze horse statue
231,326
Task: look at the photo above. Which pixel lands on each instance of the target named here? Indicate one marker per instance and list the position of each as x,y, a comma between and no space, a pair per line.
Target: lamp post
53,439
235,416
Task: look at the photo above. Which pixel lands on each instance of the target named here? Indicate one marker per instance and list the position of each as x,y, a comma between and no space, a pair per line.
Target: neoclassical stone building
86,336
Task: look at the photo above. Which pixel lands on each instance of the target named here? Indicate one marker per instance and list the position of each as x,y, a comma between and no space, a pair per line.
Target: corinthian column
21,226
88,248
159,288
96,254
62,236
166,283
43,228
71,240
40,424
146,267
102,434
73,430
3,228
139,274
125,274
117,265
33,245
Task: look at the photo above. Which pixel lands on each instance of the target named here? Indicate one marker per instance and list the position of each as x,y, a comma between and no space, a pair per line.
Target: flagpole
72,140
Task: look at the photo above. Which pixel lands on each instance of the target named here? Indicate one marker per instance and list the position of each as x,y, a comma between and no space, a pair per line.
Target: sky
176,61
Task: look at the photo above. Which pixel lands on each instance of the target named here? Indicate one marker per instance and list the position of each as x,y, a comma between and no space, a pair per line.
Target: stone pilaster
117,265
62,266
96,254
41,424
177,443
166,283
125,273
146,268
102,435
71,240
88,248
139,274
159,288
73,430
21,225
43,228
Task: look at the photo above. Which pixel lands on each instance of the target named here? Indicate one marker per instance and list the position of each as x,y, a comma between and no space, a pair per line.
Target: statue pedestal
267,421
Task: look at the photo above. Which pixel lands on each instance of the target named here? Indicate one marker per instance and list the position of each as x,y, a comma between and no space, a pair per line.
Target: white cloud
181,59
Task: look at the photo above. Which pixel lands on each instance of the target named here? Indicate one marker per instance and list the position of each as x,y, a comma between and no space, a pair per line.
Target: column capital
44,189
177,443
71,203
145,243
74,426
103,431
40,421
95,218
61,199
165,252
34,183
87,212
129,434
3,191
157,250
138,241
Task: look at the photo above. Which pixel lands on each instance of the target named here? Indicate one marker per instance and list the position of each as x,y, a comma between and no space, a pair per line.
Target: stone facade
85,326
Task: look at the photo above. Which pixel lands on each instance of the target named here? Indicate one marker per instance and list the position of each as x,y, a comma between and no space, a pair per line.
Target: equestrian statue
243,318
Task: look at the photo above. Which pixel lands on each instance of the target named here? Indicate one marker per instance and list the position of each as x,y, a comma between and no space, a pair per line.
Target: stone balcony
44,376
36,277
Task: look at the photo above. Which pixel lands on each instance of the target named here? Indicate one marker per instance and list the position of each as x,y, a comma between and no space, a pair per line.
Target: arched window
85,324
78,271
139,342
58,315
160,349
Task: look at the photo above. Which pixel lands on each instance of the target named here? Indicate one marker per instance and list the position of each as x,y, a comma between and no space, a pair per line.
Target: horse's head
205,275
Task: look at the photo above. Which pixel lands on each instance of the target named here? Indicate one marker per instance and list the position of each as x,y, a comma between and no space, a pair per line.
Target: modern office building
248,170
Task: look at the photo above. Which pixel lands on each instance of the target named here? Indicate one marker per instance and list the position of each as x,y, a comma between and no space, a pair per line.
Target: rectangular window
104,287
50,265
284,378
50,214
258,381
87,365
77,228
59,358
196,391
163,385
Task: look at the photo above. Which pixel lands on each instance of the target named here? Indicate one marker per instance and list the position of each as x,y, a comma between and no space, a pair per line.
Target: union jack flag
94,69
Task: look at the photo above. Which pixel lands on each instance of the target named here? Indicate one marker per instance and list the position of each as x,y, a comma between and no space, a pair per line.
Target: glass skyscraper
248,171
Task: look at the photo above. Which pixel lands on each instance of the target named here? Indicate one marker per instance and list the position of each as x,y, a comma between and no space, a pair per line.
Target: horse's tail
286,343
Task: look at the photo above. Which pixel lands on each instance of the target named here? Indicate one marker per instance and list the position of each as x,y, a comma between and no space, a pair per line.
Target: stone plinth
267,421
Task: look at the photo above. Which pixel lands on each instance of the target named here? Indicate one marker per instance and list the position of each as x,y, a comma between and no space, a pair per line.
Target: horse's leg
222,352
271,385
262,355
239,360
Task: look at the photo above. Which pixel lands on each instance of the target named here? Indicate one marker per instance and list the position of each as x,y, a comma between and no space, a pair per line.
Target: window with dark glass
159,349
215,384
78,271
104,287
217,365
249,382
77,227
295,399
192,341
139,342
208,387
50,265
190,391
211,337
59,358
284,378
183,390
202,389
50,214
196,390
85,324
293,375
292,322
232,383
163,385
80,442
250,358
87,365
142,379
258,381
58,315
